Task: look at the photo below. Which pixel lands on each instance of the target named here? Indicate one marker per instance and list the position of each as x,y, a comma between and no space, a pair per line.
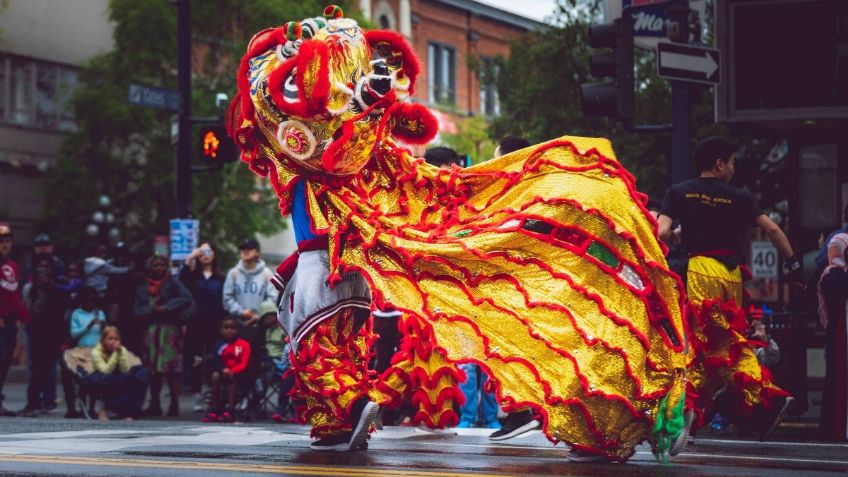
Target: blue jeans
469,413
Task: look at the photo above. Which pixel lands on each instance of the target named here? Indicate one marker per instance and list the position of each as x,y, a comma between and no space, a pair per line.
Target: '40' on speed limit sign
763,259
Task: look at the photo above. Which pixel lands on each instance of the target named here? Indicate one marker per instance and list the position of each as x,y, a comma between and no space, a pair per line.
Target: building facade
43,44
448,36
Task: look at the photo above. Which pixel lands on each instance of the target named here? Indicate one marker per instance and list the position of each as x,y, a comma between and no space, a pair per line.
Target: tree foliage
539,89
125,151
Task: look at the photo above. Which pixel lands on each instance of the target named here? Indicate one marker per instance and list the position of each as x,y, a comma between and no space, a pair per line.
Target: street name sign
153,97
688,63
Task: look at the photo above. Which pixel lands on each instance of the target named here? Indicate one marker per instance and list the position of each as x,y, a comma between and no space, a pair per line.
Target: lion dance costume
542,266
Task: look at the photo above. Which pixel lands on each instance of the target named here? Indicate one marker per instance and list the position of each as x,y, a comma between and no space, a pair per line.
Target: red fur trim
309,103
414,123
411,66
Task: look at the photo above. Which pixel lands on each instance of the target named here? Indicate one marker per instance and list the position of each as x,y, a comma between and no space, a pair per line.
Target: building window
490,104
441,74
37,94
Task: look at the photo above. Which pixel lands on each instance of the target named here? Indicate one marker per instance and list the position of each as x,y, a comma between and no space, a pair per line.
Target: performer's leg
330,365
720,329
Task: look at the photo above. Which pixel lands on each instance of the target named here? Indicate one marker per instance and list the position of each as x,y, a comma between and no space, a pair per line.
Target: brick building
445,35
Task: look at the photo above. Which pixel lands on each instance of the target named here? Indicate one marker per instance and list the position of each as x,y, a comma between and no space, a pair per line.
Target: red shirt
234,356
11,305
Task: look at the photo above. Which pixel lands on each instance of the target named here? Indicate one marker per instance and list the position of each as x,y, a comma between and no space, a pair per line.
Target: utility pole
184,87
681,162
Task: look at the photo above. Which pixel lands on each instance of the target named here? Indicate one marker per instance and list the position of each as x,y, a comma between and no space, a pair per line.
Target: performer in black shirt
713,216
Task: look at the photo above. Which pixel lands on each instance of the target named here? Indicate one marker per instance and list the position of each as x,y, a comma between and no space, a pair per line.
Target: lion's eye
290,88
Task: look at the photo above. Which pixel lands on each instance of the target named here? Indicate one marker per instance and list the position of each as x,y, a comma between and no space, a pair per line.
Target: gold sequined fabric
542,266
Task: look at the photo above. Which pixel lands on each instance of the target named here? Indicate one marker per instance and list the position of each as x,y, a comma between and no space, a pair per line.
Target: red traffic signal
215,145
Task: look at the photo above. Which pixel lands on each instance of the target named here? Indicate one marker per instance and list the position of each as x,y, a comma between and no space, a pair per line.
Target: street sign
153,97
688,63
651,20
763,259
184,237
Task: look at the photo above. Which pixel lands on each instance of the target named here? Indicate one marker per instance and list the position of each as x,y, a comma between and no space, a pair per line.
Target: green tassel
667,430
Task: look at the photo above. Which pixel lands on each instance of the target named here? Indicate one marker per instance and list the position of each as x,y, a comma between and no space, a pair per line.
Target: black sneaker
585,457
362,415
337,442
683,438
767,420
6,413
515,424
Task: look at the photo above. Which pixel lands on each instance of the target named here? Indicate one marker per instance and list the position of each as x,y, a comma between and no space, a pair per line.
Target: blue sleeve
299,214
77,327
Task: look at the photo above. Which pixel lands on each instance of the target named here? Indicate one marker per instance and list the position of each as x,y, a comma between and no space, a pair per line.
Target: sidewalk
15,391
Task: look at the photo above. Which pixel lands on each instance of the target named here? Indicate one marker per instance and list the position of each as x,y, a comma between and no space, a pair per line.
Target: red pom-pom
333,11
292,31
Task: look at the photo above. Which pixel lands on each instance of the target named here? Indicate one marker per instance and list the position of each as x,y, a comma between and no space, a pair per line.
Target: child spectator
87,321
231,357
277,349
118,377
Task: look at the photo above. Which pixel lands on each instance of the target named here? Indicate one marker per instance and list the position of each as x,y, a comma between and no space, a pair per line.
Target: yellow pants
331,366
720,356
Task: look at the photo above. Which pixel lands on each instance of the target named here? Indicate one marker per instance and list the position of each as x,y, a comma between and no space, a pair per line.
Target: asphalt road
49,445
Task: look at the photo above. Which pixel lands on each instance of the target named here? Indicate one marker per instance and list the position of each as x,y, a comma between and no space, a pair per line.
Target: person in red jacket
232,355
12,309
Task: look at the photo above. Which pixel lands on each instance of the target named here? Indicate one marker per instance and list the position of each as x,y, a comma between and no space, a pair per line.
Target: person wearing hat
248,284
12,309
43,247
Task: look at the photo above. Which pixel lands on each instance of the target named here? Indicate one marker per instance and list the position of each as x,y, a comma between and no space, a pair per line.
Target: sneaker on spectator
464,425
226,416
211,416
48,406
277,417
198,403
492,425
576,455
515,424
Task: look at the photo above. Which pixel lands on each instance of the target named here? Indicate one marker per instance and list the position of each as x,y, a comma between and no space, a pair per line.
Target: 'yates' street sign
153,97
688,63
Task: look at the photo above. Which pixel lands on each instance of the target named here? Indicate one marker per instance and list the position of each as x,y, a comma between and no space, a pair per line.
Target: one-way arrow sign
688,63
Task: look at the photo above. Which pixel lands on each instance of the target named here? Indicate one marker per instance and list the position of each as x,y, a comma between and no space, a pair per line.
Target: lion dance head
325,94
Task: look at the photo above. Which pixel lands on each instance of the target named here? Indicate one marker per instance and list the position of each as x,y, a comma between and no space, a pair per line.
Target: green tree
472,138
125,151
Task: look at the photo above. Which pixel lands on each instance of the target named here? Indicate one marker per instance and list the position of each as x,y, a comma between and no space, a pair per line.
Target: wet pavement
49,445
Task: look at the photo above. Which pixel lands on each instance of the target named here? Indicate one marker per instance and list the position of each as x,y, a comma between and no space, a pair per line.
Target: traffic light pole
681,163
184,86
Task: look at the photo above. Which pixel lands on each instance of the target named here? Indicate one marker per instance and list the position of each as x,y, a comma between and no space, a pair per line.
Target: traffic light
614,99
216,146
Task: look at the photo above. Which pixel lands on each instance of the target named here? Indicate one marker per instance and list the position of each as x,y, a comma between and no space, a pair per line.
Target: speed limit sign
763,259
